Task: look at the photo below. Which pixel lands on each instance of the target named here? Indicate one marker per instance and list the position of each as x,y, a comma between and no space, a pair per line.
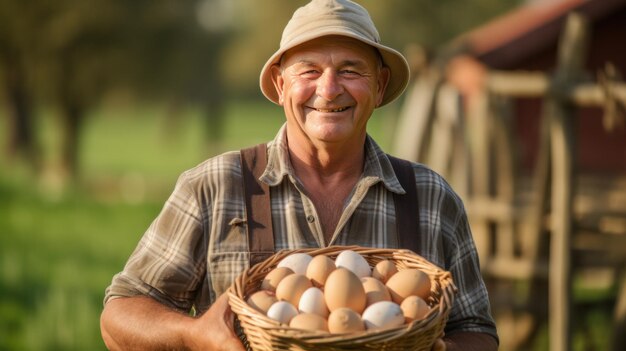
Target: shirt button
310,219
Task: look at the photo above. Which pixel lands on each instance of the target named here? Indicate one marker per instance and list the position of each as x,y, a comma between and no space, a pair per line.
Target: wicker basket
260,333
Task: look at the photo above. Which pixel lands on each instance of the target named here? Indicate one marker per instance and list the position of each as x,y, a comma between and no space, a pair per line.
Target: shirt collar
377,166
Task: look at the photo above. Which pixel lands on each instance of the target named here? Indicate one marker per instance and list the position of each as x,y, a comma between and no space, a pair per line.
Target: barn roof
530,28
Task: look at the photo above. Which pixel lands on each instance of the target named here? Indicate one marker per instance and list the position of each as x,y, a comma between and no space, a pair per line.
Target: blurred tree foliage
70,55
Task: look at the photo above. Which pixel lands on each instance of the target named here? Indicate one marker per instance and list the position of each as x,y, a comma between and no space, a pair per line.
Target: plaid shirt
198,244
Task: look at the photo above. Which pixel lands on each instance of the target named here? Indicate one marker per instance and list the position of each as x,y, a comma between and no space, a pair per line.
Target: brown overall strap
258,209
407,210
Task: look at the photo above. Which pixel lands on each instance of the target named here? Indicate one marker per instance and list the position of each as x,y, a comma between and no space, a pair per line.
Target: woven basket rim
270,331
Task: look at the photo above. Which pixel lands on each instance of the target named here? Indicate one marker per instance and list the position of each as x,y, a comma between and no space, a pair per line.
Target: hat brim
395,61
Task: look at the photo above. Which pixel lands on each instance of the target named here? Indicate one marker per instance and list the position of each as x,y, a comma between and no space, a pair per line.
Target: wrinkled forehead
333,43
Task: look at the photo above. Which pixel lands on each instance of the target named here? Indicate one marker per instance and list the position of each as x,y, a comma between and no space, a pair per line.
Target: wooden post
439,157
479,141
572,51
417,117
446,152
619,319
504,174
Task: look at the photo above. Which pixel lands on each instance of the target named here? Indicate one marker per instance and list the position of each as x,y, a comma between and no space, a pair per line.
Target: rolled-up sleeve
169,261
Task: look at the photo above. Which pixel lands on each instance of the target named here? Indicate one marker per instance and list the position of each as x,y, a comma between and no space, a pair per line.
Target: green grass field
59,249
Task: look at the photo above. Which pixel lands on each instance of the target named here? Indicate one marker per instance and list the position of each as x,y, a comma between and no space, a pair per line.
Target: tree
15,22
71,53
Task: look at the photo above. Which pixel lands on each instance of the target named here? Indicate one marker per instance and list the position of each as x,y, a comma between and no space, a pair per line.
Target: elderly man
325,182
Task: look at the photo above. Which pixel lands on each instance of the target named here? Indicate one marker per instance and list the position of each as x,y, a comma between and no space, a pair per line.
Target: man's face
329,88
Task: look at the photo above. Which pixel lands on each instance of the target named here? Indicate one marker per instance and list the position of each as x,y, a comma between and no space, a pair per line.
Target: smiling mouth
327,110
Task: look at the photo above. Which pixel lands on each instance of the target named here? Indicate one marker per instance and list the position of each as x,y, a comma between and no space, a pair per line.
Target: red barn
527,39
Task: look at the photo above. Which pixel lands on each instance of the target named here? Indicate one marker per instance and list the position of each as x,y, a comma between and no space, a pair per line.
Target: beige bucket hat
336,17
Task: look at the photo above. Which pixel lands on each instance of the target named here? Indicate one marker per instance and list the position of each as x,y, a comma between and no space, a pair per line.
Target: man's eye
350,73
310,74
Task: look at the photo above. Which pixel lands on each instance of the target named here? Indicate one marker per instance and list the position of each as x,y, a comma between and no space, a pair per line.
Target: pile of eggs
343,295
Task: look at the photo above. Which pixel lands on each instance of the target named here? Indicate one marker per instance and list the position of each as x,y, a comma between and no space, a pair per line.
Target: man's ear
277,79
383,80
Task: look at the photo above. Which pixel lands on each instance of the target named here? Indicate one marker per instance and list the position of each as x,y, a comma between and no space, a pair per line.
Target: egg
262,300
309,321
344,320
354,262
383,315
271,280
408,282
375,290
312,301
319,268
297,262
344,289
383,270
282,312
292,287
414,308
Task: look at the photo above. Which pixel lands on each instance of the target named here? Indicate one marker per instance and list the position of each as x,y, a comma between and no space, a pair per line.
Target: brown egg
309,321
344,320
262,300
408,282
319,268
344,289
414,308
375,290
271,280
384,270
292,287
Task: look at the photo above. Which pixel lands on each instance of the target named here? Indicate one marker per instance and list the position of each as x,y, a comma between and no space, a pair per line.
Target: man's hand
217,328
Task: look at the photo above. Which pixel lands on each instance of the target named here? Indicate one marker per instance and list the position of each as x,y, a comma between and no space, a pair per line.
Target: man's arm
141,323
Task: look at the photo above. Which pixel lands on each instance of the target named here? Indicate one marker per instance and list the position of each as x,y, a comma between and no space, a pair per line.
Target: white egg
354,262
382,315
297,262
312,301
282,312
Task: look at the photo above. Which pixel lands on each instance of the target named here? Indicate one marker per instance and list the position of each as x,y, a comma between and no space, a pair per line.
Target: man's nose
329,86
